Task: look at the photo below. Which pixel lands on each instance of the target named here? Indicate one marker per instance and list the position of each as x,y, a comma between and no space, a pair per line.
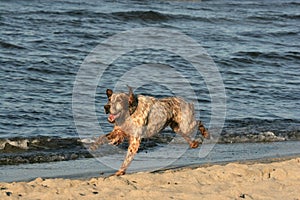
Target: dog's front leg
99,141
134,144
115,137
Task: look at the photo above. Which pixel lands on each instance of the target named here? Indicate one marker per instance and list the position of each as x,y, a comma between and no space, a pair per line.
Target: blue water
254,44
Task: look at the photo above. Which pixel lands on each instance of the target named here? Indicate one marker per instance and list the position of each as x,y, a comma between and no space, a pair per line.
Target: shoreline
223,163
276,178
161,160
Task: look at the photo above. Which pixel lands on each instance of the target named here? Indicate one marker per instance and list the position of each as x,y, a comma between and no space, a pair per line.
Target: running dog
137,117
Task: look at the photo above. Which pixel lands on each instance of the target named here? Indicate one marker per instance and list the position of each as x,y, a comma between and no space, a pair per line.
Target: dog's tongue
111,117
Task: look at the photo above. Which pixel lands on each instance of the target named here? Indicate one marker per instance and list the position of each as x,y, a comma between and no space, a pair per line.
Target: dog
136,117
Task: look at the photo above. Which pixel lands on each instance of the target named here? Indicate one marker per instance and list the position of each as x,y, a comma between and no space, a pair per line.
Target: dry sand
275,180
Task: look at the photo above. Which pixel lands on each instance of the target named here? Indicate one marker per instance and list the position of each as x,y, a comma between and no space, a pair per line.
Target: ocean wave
40,149
155,16
290,16
141,15
266,55
44,69
8,45
149,16
272,16
261,137
50,149
38,143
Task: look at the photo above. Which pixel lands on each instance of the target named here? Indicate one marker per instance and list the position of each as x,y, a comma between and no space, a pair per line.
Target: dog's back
155,114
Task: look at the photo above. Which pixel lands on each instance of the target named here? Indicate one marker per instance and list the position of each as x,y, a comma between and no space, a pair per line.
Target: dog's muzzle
107,108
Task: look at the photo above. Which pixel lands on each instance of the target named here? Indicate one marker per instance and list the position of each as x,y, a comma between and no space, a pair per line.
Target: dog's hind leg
203,130
187,134
193,143
134,144
115,137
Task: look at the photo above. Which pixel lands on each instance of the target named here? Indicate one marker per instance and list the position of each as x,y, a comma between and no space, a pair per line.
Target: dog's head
119,105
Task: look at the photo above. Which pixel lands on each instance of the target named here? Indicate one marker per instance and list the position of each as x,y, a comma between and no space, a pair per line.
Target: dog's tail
203,130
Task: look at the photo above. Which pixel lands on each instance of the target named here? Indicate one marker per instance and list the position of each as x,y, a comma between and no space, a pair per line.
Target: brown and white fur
137,117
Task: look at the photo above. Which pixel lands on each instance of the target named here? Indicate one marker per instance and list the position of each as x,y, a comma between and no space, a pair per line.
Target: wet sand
279,179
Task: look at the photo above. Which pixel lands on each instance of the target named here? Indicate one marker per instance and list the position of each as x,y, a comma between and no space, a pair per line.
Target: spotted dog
136,117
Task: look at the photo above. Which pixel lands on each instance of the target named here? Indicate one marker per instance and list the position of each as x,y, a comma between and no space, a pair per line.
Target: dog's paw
194,144
120,173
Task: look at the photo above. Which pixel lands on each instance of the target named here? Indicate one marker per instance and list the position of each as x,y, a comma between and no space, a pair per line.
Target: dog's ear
132,99
109,92
131,96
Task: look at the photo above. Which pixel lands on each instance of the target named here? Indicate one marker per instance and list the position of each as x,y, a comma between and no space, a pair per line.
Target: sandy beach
250,180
